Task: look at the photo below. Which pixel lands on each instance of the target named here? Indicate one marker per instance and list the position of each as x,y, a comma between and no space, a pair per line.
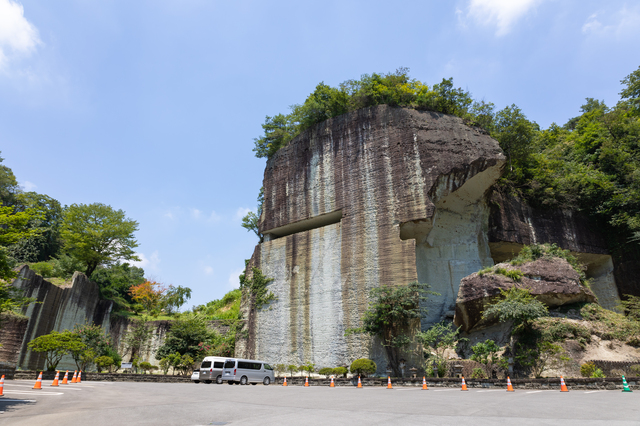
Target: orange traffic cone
509,387
563,387
285,382
38,384
65,381
306,382
424,384
2,386
75,376
55,380
79,376
389,383
464,384
332,385
359,382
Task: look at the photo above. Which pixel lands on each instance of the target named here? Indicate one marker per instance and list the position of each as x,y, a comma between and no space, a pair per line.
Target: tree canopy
96,234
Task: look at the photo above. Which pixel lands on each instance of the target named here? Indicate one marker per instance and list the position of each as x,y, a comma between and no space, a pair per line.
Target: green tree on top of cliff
394,89
96,234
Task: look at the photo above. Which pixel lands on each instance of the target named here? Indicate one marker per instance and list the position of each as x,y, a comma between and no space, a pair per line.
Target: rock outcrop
379,196
59,309
512,224
551,280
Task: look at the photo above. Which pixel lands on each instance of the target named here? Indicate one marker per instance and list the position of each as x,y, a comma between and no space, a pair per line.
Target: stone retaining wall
105,377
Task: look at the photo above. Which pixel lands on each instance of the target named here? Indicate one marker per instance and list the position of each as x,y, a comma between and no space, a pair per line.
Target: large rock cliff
380,196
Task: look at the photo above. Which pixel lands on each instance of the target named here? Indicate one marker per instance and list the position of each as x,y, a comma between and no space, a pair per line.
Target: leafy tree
104,363
137,337
519,306
514,133
184,336
174,298
256,285
393,315
115,281
545,355
631,92
250,223
363,366
292,369
9,187
326,371
54,345
165,364
340,371
96,234
150,295
486,353
436,341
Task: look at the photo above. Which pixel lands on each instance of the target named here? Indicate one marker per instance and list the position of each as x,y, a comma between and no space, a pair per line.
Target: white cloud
214,217
619,24
18,37
241,212
149,264
196,214
501,13
234,280
208,270
28,186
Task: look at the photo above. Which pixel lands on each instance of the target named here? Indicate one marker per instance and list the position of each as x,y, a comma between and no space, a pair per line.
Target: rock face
513,224
380,196
59,309
552,281
12,329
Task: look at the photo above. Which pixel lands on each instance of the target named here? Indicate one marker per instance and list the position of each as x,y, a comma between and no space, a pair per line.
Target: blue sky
152,106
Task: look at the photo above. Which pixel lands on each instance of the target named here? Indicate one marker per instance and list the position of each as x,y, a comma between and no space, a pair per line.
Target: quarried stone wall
379,196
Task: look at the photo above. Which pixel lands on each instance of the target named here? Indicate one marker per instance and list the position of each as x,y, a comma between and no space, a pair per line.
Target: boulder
553,281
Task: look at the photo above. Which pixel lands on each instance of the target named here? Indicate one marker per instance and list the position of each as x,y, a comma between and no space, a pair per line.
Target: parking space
109,403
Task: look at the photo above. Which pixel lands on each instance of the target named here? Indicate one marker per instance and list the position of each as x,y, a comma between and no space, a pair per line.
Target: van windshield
206,364
229,363
267,367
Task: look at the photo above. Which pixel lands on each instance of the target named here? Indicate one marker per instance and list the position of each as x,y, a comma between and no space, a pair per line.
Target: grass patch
611,325
560,329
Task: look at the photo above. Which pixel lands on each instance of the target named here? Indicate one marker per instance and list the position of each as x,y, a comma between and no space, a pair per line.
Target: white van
211,369
245,371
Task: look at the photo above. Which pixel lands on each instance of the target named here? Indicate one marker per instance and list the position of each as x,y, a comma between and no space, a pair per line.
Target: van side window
218,364
206,364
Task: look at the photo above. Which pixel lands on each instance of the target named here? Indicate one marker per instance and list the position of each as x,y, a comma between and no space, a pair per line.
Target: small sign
126,365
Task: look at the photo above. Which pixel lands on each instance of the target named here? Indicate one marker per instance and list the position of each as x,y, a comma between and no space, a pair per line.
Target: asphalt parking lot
188,404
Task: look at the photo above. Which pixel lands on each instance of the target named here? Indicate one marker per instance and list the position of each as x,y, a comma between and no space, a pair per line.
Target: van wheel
266,381
230,382
243,380
219,380
196,381
208,382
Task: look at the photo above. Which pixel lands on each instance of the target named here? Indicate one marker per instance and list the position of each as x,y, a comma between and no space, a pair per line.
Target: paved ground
188,404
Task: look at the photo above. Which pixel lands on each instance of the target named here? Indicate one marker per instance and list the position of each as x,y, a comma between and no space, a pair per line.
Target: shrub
146,366
103,362
45,269
478,373
326,371
363,366
634,370
587,369
340,371
599,374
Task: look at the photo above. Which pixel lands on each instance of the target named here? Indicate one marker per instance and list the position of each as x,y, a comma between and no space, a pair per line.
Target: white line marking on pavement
492,390
43,387
444,390
536,391
593,391
16,400
33,392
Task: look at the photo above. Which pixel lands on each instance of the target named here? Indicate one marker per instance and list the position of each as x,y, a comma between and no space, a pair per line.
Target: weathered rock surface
12,329
380,196
552,281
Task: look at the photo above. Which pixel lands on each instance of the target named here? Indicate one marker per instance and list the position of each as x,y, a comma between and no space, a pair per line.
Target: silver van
245,371
211,369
